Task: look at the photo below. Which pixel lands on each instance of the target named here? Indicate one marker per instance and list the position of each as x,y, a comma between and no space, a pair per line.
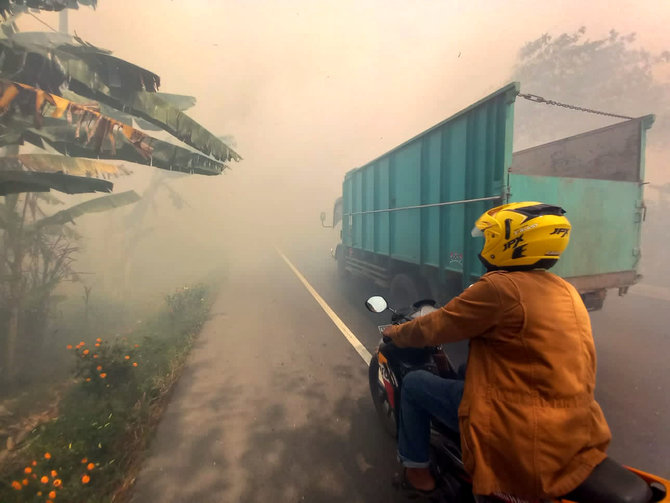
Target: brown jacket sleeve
472,313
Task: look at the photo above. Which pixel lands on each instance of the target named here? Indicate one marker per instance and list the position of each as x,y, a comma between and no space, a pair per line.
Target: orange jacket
530,425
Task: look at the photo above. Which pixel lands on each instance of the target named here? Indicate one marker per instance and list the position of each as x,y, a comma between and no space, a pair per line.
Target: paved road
632,336
274,405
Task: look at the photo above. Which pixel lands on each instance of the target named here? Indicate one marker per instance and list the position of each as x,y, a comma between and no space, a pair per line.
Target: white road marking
353,340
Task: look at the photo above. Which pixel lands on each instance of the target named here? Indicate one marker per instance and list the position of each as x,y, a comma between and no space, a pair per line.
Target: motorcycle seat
610,482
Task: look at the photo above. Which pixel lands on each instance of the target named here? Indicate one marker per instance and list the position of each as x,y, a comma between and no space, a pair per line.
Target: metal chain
539,99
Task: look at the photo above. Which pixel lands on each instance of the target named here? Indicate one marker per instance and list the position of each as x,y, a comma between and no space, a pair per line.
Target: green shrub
108,414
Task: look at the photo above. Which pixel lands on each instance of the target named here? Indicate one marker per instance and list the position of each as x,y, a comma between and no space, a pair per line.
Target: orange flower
39,493
98,339
44,479
98,368
52,495
85,479
90,466
69,346
127,357
17,485
54,473
86,351
27,469
48,501
24,482
95,356
134,364
58,483
84,461
97,344
47,455
34,463
103,375
34,476
88,379
137,345
82,343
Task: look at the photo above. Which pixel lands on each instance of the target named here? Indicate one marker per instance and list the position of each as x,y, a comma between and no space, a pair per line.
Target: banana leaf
93,206
50,61
9,7
47,60
49,163
13,182
124,117
79,131
177,101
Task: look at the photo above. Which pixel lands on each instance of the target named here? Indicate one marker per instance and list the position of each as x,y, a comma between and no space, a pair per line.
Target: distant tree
610,74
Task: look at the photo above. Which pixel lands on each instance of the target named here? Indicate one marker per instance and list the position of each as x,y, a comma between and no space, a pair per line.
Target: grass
92,450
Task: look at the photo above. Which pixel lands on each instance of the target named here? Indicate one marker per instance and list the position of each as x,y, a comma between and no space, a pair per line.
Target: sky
311,89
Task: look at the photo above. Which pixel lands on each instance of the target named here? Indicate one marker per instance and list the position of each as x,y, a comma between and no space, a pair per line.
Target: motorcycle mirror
376,304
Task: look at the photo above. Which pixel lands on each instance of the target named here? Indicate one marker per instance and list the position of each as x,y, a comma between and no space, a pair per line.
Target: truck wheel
595,300
405,291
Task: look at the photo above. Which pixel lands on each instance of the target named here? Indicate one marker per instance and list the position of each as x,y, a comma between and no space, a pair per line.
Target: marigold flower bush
108,366
107,416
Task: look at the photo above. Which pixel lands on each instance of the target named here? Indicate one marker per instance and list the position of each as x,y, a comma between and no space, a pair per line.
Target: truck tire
595,300
405,291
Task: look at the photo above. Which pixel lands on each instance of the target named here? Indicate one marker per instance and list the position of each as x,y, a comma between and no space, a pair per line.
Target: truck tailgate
597,177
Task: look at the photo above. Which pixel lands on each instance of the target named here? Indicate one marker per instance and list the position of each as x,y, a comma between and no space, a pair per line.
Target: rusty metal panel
611,153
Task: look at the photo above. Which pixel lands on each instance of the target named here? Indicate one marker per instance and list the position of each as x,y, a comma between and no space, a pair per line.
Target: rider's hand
389,332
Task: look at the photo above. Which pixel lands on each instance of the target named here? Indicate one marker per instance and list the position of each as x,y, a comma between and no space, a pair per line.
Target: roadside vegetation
90,450
88,353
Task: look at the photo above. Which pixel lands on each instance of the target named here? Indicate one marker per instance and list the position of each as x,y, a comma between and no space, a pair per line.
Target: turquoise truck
407,215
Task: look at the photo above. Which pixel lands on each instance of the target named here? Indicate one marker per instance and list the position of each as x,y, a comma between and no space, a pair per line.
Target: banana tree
62,94
36,254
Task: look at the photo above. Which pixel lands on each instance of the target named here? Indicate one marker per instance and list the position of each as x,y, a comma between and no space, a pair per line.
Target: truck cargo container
407,215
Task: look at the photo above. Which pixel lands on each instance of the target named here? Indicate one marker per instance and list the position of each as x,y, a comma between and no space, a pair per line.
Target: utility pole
62,22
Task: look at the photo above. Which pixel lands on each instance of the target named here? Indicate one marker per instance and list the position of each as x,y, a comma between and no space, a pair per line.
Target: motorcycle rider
528,420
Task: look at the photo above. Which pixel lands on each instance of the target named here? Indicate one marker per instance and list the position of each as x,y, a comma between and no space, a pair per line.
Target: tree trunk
14,237
12,339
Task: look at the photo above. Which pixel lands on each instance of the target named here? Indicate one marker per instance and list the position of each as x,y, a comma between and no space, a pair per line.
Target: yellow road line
348,334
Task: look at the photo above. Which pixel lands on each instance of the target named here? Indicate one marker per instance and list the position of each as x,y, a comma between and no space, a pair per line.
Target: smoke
308,90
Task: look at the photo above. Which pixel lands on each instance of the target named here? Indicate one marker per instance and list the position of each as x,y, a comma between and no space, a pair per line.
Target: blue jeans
425,395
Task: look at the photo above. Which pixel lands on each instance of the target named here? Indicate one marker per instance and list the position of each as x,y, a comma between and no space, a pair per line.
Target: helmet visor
477,232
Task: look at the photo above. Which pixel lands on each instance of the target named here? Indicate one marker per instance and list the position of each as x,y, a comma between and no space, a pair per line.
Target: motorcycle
609,482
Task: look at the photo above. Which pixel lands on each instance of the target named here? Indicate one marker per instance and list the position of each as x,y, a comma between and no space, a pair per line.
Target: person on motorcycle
529,423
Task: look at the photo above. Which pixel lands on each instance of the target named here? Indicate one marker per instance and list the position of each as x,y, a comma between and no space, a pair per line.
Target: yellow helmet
523,236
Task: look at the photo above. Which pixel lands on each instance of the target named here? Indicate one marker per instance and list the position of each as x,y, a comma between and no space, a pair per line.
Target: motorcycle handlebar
399,318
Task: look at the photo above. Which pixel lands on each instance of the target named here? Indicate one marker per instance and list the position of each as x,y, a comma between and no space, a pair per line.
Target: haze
305,91
310,90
